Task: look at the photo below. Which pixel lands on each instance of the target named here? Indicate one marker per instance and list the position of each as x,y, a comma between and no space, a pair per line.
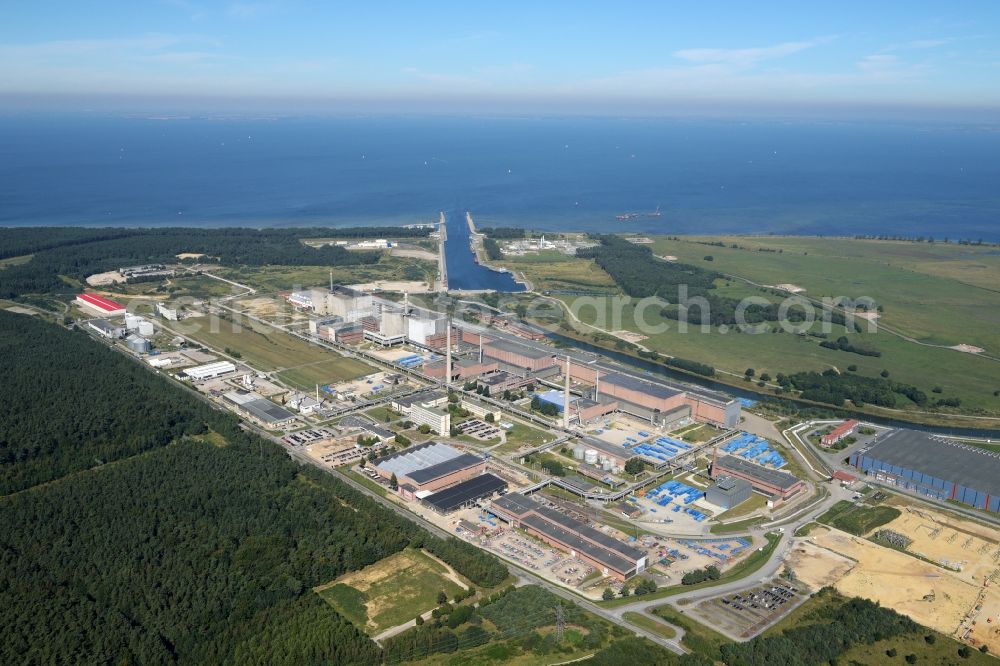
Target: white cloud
741,57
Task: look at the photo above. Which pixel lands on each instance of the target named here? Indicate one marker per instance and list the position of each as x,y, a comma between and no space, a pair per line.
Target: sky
566,57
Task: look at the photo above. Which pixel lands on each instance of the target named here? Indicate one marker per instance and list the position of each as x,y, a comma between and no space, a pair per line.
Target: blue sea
706,176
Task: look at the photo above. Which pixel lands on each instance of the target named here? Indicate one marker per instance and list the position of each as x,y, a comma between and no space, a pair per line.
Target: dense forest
184,552
640,274
506,233
76,253
78,405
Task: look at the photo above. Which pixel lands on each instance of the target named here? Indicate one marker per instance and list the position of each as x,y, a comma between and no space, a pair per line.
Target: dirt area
358,387
629,336
17,309
414,253
969,349
408,286
263,307
970,547
103,279
930,595
393,354
189,255
790,288
815,567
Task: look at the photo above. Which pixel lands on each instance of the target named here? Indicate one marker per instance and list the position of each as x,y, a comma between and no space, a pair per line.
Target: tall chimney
331,280
447,354
566,397
597,385
480,347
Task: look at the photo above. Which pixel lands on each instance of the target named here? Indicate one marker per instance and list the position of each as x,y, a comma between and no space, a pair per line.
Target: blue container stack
756,449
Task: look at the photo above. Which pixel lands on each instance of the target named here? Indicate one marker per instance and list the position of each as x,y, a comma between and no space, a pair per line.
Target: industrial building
935,467
464,368
349,304
99,305
138,325
421,330
845,429
465,494
501,381
596,451
728,491
259,409
430,466
170,314
210,370
775,485
435,418
611,556
431,398
106,328
518,355
138,344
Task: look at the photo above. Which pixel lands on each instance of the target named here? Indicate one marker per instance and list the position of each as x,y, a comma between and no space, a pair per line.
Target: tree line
638,273
78,253
835,388
181,551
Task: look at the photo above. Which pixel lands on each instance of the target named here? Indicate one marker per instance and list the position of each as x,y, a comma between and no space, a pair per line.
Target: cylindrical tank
607,465
578,452
590,456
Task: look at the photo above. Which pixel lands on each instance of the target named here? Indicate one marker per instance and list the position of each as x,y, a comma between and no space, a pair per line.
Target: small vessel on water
626,217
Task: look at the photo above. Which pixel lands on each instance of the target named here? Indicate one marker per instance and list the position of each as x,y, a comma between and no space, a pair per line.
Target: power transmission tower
560,622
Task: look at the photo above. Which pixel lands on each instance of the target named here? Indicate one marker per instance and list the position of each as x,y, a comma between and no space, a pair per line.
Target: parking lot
749,612
479,429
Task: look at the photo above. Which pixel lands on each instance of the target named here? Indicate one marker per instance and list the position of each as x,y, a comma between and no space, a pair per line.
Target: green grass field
697,637
649,624
389,592
936,294
301,364
270,279
858,519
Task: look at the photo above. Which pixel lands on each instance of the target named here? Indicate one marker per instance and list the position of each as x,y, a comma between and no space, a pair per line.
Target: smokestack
447,354
406,303
597,385
331,280
480,347
566,397
317,392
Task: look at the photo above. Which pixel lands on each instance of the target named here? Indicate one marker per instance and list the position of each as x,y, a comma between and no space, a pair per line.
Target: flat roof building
431,466
210,370
776,485
728,491
935,467
259,408
611,556
106,328
518,355
466,493
840,432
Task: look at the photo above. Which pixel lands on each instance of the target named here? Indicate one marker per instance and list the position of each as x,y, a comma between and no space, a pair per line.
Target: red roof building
839,433
844,476
100,305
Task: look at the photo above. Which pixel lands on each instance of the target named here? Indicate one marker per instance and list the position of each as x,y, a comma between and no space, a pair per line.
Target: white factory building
210,370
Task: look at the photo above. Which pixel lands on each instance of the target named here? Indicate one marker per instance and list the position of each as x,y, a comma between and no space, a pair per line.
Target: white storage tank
590,456
578,452
607,465
145,327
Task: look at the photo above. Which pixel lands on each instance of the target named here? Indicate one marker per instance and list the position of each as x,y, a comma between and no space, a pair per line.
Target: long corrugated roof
571,532
654,389
444,468
467,491
523,350
416,457
101,303
941,458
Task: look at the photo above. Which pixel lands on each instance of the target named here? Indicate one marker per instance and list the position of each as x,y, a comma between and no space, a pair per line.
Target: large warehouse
466,493
430,466
776,485
935,467
518,355
611,556
103,307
